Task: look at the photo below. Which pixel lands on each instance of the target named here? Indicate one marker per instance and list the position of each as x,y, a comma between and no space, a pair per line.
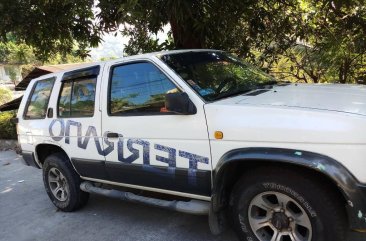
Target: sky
112,46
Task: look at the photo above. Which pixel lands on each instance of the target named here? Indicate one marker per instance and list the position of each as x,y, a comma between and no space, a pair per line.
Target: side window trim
73,76
83,73
53,79
59,97
110,73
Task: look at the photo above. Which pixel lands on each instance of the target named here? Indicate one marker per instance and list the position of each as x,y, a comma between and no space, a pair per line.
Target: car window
138,88
215,75
38,101
77,98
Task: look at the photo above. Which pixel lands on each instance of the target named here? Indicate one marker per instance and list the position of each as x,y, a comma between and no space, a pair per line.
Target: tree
230,25
333,46
339,34
13,53
240,26
304,40
49,27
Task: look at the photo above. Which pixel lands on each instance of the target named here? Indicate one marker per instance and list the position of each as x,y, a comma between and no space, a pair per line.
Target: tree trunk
343,72
3,36
340,74
183,36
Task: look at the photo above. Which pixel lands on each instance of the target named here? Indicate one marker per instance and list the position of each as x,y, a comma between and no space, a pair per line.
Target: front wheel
280,205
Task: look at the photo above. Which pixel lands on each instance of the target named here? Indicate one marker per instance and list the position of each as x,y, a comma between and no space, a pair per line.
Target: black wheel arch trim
29,159
59,148
353,191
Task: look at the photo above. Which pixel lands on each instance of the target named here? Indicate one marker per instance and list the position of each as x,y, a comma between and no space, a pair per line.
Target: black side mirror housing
14,120
180,103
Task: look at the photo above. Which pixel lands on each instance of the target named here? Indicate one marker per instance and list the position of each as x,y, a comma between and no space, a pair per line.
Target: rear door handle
113,135
50,113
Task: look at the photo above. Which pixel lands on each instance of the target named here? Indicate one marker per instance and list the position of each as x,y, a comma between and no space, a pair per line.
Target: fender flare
324,165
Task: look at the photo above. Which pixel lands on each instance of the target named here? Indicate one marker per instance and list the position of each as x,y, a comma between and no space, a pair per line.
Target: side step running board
196,207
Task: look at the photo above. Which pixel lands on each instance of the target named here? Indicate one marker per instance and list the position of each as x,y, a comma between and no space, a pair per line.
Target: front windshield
215,75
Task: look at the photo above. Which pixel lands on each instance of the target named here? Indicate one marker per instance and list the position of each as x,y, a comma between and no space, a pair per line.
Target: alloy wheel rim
58,184
274,216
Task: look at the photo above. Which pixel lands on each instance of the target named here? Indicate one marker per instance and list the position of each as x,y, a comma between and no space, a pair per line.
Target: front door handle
113,135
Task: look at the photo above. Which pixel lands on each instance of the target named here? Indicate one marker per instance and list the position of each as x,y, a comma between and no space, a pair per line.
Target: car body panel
327,120
261,121
332,97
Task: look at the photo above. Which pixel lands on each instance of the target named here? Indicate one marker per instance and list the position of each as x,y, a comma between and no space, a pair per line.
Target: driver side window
138,88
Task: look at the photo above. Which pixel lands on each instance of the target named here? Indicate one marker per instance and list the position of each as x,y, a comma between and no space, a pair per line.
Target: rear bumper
29,160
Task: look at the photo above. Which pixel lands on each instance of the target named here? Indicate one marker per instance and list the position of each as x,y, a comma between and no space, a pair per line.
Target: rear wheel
62,183
280,205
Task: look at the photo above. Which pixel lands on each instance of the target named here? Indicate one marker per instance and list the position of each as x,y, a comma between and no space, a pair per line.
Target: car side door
154,149
76,125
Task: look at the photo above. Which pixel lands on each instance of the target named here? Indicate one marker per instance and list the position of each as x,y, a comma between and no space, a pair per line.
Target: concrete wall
9,145
4,73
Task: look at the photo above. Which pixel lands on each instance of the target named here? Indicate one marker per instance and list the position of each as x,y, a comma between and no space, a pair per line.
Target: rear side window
138,89
38,102
77,98
77,95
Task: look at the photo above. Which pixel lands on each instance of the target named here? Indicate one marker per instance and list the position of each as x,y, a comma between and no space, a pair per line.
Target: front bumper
28,159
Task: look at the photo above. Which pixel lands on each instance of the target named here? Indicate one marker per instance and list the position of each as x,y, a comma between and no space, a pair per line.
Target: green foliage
72,57
50,27
234,25
5,95
194,24
7,128
141,41
332,45
13,53
303,40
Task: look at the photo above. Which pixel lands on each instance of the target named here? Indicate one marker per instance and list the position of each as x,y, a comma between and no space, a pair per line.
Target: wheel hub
280,221
58,184
276,216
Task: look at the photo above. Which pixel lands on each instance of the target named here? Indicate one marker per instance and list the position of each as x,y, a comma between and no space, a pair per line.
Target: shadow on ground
26,213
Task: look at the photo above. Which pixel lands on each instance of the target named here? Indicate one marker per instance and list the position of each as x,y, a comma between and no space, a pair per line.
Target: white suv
215,135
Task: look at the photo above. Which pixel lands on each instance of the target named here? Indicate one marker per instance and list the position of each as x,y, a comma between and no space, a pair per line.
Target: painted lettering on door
64,130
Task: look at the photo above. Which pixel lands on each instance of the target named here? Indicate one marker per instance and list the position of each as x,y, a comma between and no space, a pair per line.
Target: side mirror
180,103
14,120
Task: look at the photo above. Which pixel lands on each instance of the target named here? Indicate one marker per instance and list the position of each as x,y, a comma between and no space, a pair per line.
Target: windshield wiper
230,94
271,83
268,85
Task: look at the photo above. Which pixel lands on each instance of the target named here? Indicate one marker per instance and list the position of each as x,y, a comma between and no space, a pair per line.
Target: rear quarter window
77,98
37,103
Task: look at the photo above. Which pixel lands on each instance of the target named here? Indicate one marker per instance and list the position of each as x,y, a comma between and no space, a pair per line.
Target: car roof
132,57
161,53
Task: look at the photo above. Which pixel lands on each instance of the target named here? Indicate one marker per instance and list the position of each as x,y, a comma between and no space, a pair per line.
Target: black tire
75,198
325,212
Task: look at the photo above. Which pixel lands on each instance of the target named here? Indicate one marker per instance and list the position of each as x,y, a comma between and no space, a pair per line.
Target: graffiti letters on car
91,133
